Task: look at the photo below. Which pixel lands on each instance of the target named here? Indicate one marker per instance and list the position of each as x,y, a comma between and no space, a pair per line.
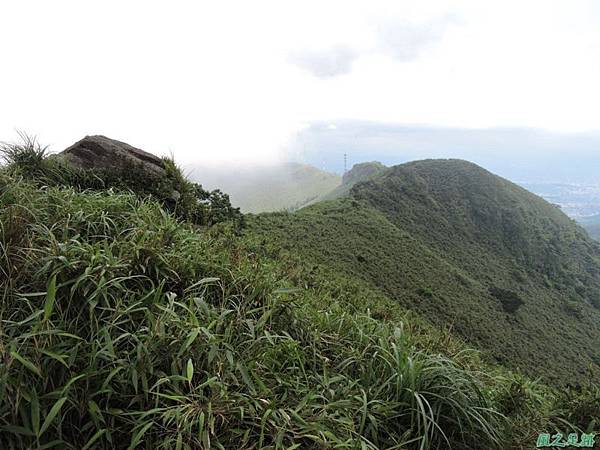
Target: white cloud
397,37
213,81
326,63
406,41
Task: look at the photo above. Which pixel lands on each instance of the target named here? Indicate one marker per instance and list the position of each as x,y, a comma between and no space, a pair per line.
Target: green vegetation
121,325
125,325
187,200
465,249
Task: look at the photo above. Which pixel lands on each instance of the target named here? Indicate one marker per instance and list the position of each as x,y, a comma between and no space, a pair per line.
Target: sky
523,155
243,81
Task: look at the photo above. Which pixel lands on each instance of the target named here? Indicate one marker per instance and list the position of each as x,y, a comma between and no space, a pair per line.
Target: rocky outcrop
100,152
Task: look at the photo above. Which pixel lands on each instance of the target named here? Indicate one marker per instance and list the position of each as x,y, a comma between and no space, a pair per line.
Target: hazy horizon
240,83
236,85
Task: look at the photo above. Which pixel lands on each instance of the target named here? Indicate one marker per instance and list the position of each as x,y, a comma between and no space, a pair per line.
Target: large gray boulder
100,152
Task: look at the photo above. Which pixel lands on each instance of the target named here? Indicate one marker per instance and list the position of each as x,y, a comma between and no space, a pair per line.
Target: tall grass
185,199
121,327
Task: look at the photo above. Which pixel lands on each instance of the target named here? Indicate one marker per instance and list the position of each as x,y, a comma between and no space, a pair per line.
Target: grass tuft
122,327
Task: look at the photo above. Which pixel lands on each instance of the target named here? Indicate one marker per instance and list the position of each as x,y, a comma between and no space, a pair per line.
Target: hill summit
468,250
359,172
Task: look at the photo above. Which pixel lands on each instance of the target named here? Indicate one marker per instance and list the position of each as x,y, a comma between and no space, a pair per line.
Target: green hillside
279,187
469,251
143,315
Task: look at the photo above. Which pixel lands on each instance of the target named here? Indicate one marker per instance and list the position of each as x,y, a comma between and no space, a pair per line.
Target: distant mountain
519,154
359,172
468,250
285,186
591,225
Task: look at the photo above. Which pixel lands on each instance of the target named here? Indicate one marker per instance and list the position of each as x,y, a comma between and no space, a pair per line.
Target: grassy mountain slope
270,188
124,324
468,250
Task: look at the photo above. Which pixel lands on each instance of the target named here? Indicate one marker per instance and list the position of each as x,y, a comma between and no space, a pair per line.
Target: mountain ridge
358,173
467,249
273,333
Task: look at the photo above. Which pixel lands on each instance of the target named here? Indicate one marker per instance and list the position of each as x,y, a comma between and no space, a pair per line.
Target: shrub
582,404
187,200
121,326
574,308
425,292
510,301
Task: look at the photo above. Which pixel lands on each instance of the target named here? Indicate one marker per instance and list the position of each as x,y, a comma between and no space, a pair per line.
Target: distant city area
578,201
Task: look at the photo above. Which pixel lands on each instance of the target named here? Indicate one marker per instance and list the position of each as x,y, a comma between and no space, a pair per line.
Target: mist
520,154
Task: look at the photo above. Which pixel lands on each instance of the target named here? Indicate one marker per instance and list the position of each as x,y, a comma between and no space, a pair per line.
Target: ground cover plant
125,325
185,199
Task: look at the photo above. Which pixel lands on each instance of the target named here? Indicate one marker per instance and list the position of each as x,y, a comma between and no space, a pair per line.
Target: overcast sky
222,81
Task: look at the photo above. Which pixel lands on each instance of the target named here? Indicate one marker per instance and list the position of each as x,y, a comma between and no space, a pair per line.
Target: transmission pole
345,162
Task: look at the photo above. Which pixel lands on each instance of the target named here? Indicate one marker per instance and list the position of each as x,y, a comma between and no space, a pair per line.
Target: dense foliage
121,325
187,200
467,250
124,326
